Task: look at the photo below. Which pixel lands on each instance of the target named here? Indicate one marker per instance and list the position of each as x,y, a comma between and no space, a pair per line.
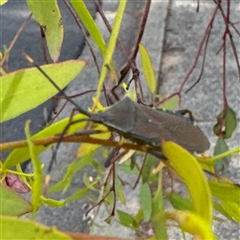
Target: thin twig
14,40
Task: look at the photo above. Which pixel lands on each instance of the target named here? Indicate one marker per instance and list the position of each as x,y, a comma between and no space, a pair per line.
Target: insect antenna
81,110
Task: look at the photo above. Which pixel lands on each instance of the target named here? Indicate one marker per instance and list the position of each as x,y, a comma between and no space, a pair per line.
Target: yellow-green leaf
171,103
12,203
120,194
89,24
48,15
26,89
158,218
3,2
111,47
189,170
232,209
80,193
86,148
22,154
148,68
53,202
224,191
191,223
38,176
73,168
17,228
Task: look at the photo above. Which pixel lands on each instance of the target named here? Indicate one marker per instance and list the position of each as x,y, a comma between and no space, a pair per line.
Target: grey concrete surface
172,37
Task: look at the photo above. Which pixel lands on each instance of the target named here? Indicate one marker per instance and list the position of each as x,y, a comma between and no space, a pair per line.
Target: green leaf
226,123
139,216
13,203
220,209
17,228
147,168
127,220
192,223
189,170
20,155
26,89
148,68
146,201
53,203
73,168
86,148
179,202
3,2
89,184
80,193
158,217
120,194
38,176
111,47
232,209
48,15
224,191
171,103
90,24
222,164
126,167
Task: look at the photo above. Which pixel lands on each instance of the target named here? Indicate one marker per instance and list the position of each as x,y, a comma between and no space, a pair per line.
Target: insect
145,125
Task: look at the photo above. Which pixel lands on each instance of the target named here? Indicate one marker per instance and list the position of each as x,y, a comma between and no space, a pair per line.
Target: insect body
144,125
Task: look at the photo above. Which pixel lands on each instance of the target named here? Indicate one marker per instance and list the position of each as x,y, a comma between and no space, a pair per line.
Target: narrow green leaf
12,203
80,193
226,123
127,220
48,15
158,217
87,182
147,168
220,209
146,201
120,194
192,223
53,203
111,47
179,202
222,164
148,68
38,176
20,155
232,209
3,2
224,191
139,216
26,89
73,168
90,24
189,170
171,103
126,167
18,228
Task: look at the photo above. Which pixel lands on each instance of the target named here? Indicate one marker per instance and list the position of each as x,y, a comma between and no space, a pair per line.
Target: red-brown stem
207,31
14,40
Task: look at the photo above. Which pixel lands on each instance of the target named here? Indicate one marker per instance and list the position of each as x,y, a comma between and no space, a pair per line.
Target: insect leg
184,112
